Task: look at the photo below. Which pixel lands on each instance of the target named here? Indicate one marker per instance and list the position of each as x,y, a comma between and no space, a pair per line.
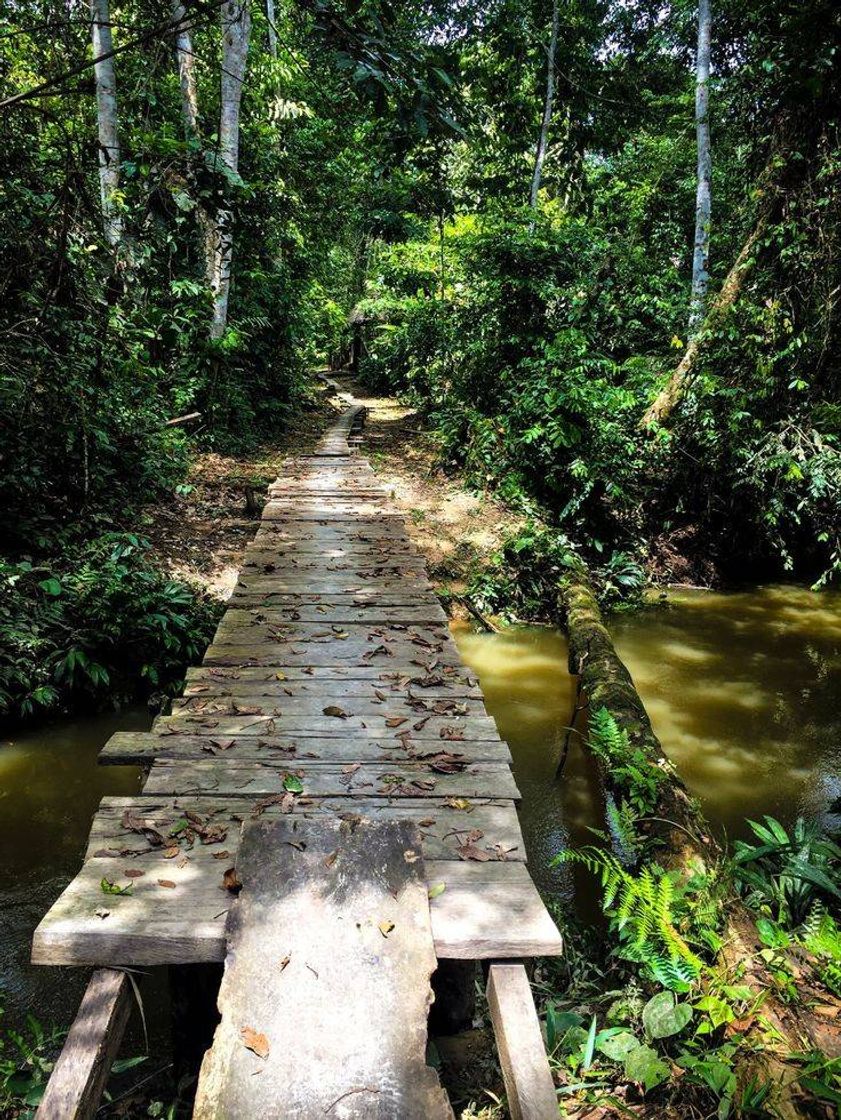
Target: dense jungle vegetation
512,243
612,285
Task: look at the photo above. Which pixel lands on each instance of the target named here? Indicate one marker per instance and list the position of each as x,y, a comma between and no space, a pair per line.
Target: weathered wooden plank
202,828
285,701
330,684
446,732
371,613
529,1085
371,531
455,676
372,925
137,748
226,777
486,910
244,599
284,655
81,1072
379,562
249,628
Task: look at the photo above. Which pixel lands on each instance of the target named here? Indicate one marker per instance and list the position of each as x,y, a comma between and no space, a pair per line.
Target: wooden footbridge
330,811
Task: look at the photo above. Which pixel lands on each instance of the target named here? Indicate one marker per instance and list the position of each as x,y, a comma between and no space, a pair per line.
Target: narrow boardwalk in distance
333,696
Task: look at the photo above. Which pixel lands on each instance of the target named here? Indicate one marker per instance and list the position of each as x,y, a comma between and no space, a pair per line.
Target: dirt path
202,535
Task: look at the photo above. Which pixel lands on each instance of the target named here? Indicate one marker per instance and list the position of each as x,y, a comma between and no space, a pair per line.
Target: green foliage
788,872
655,914
102,623
628,767
26,1061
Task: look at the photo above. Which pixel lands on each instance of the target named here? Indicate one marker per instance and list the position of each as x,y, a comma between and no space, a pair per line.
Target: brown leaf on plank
168,883
453,734
255,1042
133,872
133,823
335,710
231,881
471,852
395,721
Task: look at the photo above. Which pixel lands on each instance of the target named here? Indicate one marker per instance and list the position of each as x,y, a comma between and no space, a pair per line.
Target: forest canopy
499,209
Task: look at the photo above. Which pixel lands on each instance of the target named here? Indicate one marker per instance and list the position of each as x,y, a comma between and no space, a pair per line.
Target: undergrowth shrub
101,622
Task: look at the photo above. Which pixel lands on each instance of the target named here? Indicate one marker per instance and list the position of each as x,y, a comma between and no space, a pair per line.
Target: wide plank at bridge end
326,990
333,697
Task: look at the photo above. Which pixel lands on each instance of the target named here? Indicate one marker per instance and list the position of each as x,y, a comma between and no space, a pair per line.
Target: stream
743,688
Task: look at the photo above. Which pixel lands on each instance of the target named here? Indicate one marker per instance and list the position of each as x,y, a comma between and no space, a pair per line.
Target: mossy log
685,838
606,683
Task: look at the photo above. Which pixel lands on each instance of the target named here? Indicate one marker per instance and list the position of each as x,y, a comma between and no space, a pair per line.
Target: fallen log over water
606,683
778,1027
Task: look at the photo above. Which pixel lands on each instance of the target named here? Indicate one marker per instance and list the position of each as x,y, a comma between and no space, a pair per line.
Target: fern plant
821,936
652,914
629,767
622,829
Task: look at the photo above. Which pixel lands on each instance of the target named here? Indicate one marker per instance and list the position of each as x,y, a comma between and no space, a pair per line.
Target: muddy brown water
744,689
50,786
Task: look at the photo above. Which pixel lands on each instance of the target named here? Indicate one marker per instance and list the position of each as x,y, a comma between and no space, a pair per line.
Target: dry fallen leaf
334,710
285,962
230,880
166,883
385,928
457,803
133,872
257,1043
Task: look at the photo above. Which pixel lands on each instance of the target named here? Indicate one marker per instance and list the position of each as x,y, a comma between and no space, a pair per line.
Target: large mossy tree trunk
606,683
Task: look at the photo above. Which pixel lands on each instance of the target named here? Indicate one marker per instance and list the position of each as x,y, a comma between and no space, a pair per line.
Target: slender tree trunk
186,58
703,198
186,70
106,112
664,403
272,22
547,108
236,29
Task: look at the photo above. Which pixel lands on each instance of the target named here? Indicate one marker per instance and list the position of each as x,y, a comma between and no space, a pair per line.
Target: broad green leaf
663,1016
618,1046
645,1068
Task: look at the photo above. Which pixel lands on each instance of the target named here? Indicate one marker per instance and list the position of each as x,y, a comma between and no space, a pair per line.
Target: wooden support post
454,985
81,1072
522,1053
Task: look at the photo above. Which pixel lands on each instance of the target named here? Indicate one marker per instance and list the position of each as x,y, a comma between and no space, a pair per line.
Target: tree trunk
606,683
272,22
106,113
236,28
703,197
186,69
547,108
190,112
664,403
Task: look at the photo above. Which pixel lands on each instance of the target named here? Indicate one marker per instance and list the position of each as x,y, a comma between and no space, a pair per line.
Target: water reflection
744,690
50,786
523,673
